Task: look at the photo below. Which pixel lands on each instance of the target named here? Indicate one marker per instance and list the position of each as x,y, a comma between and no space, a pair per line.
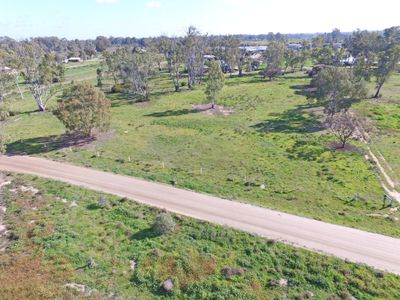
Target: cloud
153,4
106,1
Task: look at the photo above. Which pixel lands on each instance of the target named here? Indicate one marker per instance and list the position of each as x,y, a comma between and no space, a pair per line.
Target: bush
4,113
103,202
3,142
117,88
164,224
83,108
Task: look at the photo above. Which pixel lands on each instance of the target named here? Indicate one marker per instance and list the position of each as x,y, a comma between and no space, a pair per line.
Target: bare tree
343,125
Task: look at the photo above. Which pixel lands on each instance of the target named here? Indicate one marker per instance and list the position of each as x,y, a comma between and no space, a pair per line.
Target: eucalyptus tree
194,45
41,71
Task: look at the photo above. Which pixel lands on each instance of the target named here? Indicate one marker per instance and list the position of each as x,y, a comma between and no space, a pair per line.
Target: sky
143,18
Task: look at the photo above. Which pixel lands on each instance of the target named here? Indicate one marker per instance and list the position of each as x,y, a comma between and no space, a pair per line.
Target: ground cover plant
66,239
270,149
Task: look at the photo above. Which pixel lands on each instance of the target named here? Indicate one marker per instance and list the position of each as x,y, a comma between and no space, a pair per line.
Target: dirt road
355,245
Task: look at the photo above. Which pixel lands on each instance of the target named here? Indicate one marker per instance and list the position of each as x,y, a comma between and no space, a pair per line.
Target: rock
4,183
132,264
283,282
262,186
232,271
309,295
80,288
73,204
3,209
353,298
64,200
168,285
394,209
31,189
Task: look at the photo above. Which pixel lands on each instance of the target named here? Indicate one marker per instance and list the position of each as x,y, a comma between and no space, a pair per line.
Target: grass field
271,151
57,228
385,112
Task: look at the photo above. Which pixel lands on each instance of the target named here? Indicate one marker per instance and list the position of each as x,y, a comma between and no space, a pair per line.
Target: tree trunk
378,91
176,88
41,107
240,72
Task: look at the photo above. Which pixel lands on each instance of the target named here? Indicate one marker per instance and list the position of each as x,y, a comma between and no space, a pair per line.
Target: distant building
73,60
209,57
295,46
254,49
349,61
337,45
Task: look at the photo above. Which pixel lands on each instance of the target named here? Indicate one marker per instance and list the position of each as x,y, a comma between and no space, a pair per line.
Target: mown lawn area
57,228
271,151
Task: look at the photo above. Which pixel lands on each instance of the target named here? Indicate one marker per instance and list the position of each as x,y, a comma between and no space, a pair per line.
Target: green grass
59,238
274,138
385,113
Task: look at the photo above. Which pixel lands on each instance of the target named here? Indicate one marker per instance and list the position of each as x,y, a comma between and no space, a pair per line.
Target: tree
83,108
113,61
215,82
337,88
388,62
7,76
274,58
303,57
173,51
194,46
102,43
99,72
243,60
227,50
291,58
6,84
343,125
363,46
41,71
137,71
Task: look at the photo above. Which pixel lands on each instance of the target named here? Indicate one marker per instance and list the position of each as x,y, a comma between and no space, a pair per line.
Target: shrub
164,224
83,108
117,88
4,113
103,202
3,142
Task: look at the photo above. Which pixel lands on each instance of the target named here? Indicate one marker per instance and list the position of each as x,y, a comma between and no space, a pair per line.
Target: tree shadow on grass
46,144
303,90
143,234
180,112
296,120
120,99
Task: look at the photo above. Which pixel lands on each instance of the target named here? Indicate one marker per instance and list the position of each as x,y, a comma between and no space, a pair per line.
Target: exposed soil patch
339,147
216,110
